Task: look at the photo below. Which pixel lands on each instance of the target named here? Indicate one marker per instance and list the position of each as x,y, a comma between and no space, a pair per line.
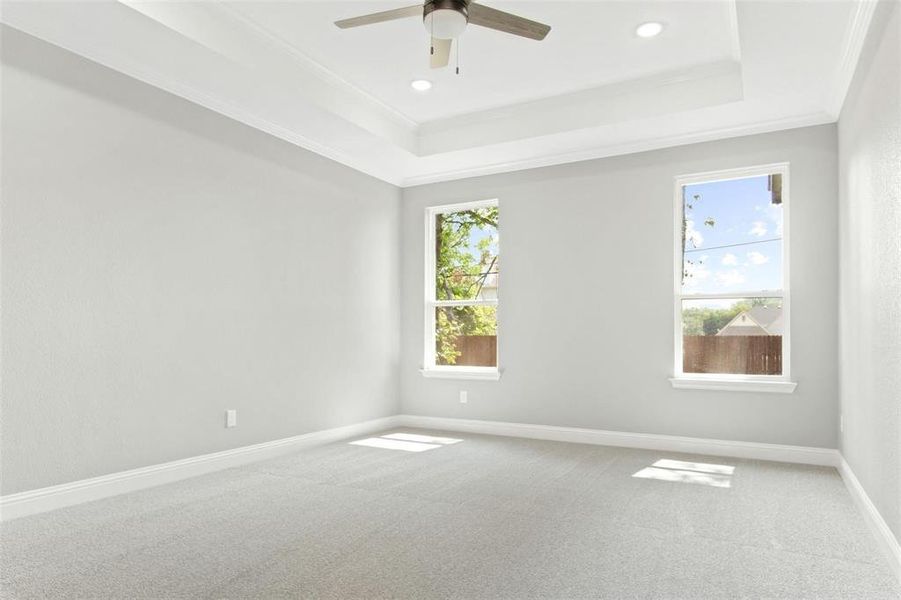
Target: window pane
732,235
466,253
738,336
466,336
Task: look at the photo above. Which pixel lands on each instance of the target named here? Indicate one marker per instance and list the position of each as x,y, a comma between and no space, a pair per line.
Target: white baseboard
58,496
669,443
887,541
792,454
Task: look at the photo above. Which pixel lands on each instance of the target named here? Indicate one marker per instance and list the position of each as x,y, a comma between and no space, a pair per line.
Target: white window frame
429,368
728,381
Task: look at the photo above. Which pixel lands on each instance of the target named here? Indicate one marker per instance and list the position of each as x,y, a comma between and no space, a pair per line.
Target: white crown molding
856,36
549,160
247,45
45,499
101,55
886,540
313,65
774,452
356,129
701,86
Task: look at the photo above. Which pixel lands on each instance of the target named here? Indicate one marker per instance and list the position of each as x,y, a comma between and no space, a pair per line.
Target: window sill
733,385
484,374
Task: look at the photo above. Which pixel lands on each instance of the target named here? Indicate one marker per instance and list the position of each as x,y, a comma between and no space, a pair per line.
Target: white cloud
758,229
729,278
757,258
730,260
774,214
692,235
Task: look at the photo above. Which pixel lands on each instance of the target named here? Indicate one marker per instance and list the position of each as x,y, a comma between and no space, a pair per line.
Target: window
461,281
731,280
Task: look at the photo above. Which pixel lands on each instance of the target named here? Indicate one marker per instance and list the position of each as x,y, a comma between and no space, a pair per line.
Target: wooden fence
740,354
476,351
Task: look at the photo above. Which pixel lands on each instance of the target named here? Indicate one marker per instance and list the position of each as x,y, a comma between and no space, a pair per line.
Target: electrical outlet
841,423
463,398
231,418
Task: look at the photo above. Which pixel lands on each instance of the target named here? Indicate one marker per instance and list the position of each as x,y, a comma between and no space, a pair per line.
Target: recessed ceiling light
421,85
650,29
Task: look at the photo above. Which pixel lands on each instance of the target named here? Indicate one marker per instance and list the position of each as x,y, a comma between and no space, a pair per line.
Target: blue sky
743,214
476,235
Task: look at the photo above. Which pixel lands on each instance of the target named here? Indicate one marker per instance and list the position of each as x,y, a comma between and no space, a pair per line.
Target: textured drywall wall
870,225
162,263
586,297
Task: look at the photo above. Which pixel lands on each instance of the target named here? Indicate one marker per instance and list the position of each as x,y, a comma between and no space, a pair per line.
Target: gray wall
586,313
870,217
162,263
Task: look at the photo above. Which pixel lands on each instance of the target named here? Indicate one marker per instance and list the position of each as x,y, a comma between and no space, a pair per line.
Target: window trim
728,381
429,368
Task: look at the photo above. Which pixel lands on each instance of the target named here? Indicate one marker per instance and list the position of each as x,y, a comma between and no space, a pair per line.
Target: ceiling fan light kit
446,20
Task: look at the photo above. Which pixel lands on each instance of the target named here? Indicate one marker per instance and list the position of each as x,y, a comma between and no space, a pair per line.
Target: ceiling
595,47
592,88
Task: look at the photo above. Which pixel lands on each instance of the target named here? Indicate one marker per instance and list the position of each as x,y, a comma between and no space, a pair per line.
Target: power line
733,245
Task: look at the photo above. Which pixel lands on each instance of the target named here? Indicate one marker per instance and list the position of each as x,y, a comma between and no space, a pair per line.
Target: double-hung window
461,291
731,280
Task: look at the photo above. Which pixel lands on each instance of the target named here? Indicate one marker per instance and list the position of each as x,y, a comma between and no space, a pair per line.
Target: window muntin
462,277
731,275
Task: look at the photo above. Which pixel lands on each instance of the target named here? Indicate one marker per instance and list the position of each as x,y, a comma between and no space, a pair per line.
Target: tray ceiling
592,88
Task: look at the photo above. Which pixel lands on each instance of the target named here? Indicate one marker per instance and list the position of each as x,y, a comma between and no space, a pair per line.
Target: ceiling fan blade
503,21
379,17
441,55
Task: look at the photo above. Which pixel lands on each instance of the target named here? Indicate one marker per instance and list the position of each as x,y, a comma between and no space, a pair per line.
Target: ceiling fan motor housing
445,19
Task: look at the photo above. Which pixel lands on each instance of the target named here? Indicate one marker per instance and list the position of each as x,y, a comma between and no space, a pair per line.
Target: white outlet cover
463,398
231,418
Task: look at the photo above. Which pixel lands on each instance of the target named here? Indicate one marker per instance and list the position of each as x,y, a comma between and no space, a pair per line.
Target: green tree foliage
460,273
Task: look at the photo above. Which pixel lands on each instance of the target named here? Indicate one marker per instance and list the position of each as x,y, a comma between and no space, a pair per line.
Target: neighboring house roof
759,320
768,317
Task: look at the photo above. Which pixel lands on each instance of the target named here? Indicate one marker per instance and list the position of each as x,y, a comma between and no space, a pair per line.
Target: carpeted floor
484,517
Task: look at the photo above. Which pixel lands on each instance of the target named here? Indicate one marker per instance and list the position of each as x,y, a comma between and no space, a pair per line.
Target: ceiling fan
445,20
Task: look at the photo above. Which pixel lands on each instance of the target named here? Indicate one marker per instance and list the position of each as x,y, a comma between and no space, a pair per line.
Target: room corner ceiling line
237,38
316,66
856,36
31,18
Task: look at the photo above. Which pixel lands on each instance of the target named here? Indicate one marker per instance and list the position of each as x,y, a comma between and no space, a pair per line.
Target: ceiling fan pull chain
432,38
458,55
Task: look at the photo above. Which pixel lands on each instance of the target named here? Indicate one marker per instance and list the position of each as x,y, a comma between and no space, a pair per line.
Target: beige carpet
484,517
